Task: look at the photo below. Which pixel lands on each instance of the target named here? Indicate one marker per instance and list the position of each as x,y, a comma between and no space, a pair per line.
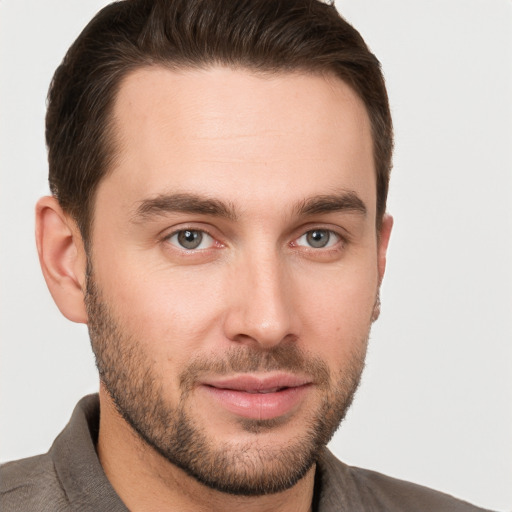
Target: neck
148,482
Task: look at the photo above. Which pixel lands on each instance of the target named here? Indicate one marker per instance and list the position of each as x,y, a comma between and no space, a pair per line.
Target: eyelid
205,239
334,243
175,230
342,235
330,243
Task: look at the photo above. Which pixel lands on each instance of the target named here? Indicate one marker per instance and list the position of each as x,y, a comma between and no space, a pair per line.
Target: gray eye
318,238
189,239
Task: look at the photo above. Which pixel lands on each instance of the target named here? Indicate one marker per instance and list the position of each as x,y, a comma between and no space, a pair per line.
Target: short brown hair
260,35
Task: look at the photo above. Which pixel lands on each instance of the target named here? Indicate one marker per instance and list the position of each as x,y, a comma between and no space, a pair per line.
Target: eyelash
167,238
335,247
329,243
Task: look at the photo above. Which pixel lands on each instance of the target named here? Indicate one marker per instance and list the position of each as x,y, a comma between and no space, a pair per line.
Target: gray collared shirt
70,478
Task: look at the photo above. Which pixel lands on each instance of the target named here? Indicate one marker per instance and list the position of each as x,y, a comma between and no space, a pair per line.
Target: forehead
219,130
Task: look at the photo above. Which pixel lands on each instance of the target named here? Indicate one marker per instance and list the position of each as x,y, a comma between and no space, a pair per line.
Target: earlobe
62,258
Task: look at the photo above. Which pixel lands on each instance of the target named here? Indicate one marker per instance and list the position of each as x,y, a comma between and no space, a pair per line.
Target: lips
258,383
258,396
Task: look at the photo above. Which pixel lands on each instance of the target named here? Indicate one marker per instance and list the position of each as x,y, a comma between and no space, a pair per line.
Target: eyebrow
343,201
163,204
182,203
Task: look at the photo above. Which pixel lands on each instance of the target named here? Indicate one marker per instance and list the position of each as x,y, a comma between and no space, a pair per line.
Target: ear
384,235
383,241
62,258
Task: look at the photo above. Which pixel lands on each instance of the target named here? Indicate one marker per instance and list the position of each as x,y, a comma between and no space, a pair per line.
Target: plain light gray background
435,405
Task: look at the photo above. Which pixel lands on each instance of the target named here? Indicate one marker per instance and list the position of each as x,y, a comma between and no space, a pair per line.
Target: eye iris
190,239
318,238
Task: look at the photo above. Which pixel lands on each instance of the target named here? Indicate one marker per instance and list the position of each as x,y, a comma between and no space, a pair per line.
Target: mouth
264,391
259,397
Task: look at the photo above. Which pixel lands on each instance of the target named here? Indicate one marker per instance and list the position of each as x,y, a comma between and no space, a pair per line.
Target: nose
261,311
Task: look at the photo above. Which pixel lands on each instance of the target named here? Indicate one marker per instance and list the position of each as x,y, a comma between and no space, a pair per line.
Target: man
219,174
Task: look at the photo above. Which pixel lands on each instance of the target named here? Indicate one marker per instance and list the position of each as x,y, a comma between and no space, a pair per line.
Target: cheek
337,309
170,310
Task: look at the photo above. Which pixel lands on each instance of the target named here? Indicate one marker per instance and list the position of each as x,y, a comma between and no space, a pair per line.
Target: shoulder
369,490
31,484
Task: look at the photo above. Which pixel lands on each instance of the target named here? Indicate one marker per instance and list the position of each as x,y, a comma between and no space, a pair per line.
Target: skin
262,146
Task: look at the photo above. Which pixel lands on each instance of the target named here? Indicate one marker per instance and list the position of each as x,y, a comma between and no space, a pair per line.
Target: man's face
234,268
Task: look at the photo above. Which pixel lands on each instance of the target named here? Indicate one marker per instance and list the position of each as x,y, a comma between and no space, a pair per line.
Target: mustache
283,357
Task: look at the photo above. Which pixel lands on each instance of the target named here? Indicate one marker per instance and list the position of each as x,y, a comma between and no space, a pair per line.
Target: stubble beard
252,469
